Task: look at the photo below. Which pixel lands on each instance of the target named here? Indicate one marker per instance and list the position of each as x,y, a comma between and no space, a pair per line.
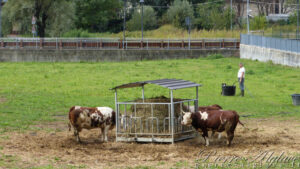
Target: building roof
171,84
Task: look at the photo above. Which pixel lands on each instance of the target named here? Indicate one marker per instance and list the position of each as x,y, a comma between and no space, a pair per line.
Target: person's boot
242,93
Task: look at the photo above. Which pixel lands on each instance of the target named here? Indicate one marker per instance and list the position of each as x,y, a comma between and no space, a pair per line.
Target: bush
250,72
77,33
293,18
215,56
149,19
258,23
179,11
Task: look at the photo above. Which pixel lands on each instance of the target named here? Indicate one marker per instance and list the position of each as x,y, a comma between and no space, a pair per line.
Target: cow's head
187,119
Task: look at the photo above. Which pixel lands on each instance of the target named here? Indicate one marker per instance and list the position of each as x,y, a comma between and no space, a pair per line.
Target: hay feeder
154,119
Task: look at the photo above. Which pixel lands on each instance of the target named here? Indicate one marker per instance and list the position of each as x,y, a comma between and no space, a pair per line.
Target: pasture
35,98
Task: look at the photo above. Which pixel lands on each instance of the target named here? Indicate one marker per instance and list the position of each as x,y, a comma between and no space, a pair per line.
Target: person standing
241,78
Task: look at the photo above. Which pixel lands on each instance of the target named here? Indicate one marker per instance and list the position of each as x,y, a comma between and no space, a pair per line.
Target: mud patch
59,148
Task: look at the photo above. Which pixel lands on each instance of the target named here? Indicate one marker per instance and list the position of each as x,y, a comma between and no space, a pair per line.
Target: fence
105,43
273,43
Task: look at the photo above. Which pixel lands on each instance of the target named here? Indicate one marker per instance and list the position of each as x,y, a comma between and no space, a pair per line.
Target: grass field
164,32
34,92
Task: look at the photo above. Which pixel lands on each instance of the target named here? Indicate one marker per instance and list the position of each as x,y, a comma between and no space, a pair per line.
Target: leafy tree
213,15
96,15
149,19
53,16
179,10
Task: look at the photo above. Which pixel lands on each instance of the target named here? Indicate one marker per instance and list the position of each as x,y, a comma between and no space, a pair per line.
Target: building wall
267,54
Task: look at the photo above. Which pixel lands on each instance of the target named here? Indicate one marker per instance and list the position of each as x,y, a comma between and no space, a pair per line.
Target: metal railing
114,43
146,126
272,43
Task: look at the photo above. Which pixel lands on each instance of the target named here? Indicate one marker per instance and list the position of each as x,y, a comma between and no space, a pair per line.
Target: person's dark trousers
242,87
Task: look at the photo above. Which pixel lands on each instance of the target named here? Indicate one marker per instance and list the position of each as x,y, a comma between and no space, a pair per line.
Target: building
262,7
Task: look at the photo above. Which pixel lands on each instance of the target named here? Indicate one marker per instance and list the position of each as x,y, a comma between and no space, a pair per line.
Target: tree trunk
41,16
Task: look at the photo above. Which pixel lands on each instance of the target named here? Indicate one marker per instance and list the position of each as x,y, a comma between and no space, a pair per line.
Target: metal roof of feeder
171,84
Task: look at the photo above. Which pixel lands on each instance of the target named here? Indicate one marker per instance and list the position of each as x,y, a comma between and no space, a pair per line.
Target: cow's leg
76,134
230,136
205,136
230,127
212,134
106,132
102,134
219,136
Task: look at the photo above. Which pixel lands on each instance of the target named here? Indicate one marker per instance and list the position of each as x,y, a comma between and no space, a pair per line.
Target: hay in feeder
160,111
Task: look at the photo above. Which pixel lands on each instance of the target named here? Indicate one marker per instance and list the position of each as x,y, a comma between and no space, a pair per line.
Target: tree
239,7
178,11
149,19
96,15
55,16
212,15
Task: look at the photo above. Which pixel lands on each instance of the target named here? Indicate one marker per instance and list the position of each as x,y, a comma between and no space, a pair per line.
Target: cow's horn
183,112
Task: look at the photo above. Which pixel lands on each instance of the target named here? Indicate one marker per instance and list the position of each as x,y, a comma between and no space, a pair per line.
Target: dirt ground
54,145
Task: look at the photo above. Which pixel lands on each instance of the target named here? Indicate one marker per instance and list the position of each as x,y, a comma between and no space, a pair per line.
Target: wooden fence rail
103,44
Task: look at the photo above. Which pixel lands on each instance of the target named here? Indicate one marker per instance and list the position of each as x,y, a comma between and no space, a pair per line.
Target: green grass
171,32
35,92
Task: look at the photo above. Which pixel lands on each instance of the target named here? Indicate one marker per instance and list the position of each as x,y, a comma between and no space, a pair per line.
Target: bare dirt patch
59,148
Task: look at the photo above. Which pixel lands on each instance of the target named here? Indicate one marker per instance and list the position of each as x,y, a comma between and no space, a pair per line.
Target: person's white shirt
241,72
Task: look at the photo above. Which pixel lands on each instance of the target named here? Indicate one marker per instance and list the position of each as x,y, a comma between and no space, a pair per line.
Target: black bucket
296,99
228,90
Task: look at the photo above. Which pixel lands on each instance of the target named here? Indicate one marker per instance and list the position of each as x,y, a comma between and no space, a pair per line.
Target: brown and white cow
213,120
90,118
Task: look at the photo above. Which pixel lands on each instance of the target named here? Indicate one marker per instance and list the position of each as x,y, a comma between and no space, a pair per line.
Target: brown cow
213,120
91,117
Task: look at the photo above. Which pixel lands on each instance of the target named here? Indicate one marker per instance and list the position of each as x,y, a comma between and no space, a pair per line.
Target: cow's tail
238,119
241,123
69,125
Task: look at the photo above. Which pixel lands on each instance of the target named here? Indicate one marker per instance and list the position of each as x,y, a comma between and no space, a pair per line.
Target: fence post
162,44
182,44
147,44
41,43
203,44
2,43
60,45
142,44
80,44
223,43
235,44
17,44
298,49
168,44
100,43
21,44
120,44
56,44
